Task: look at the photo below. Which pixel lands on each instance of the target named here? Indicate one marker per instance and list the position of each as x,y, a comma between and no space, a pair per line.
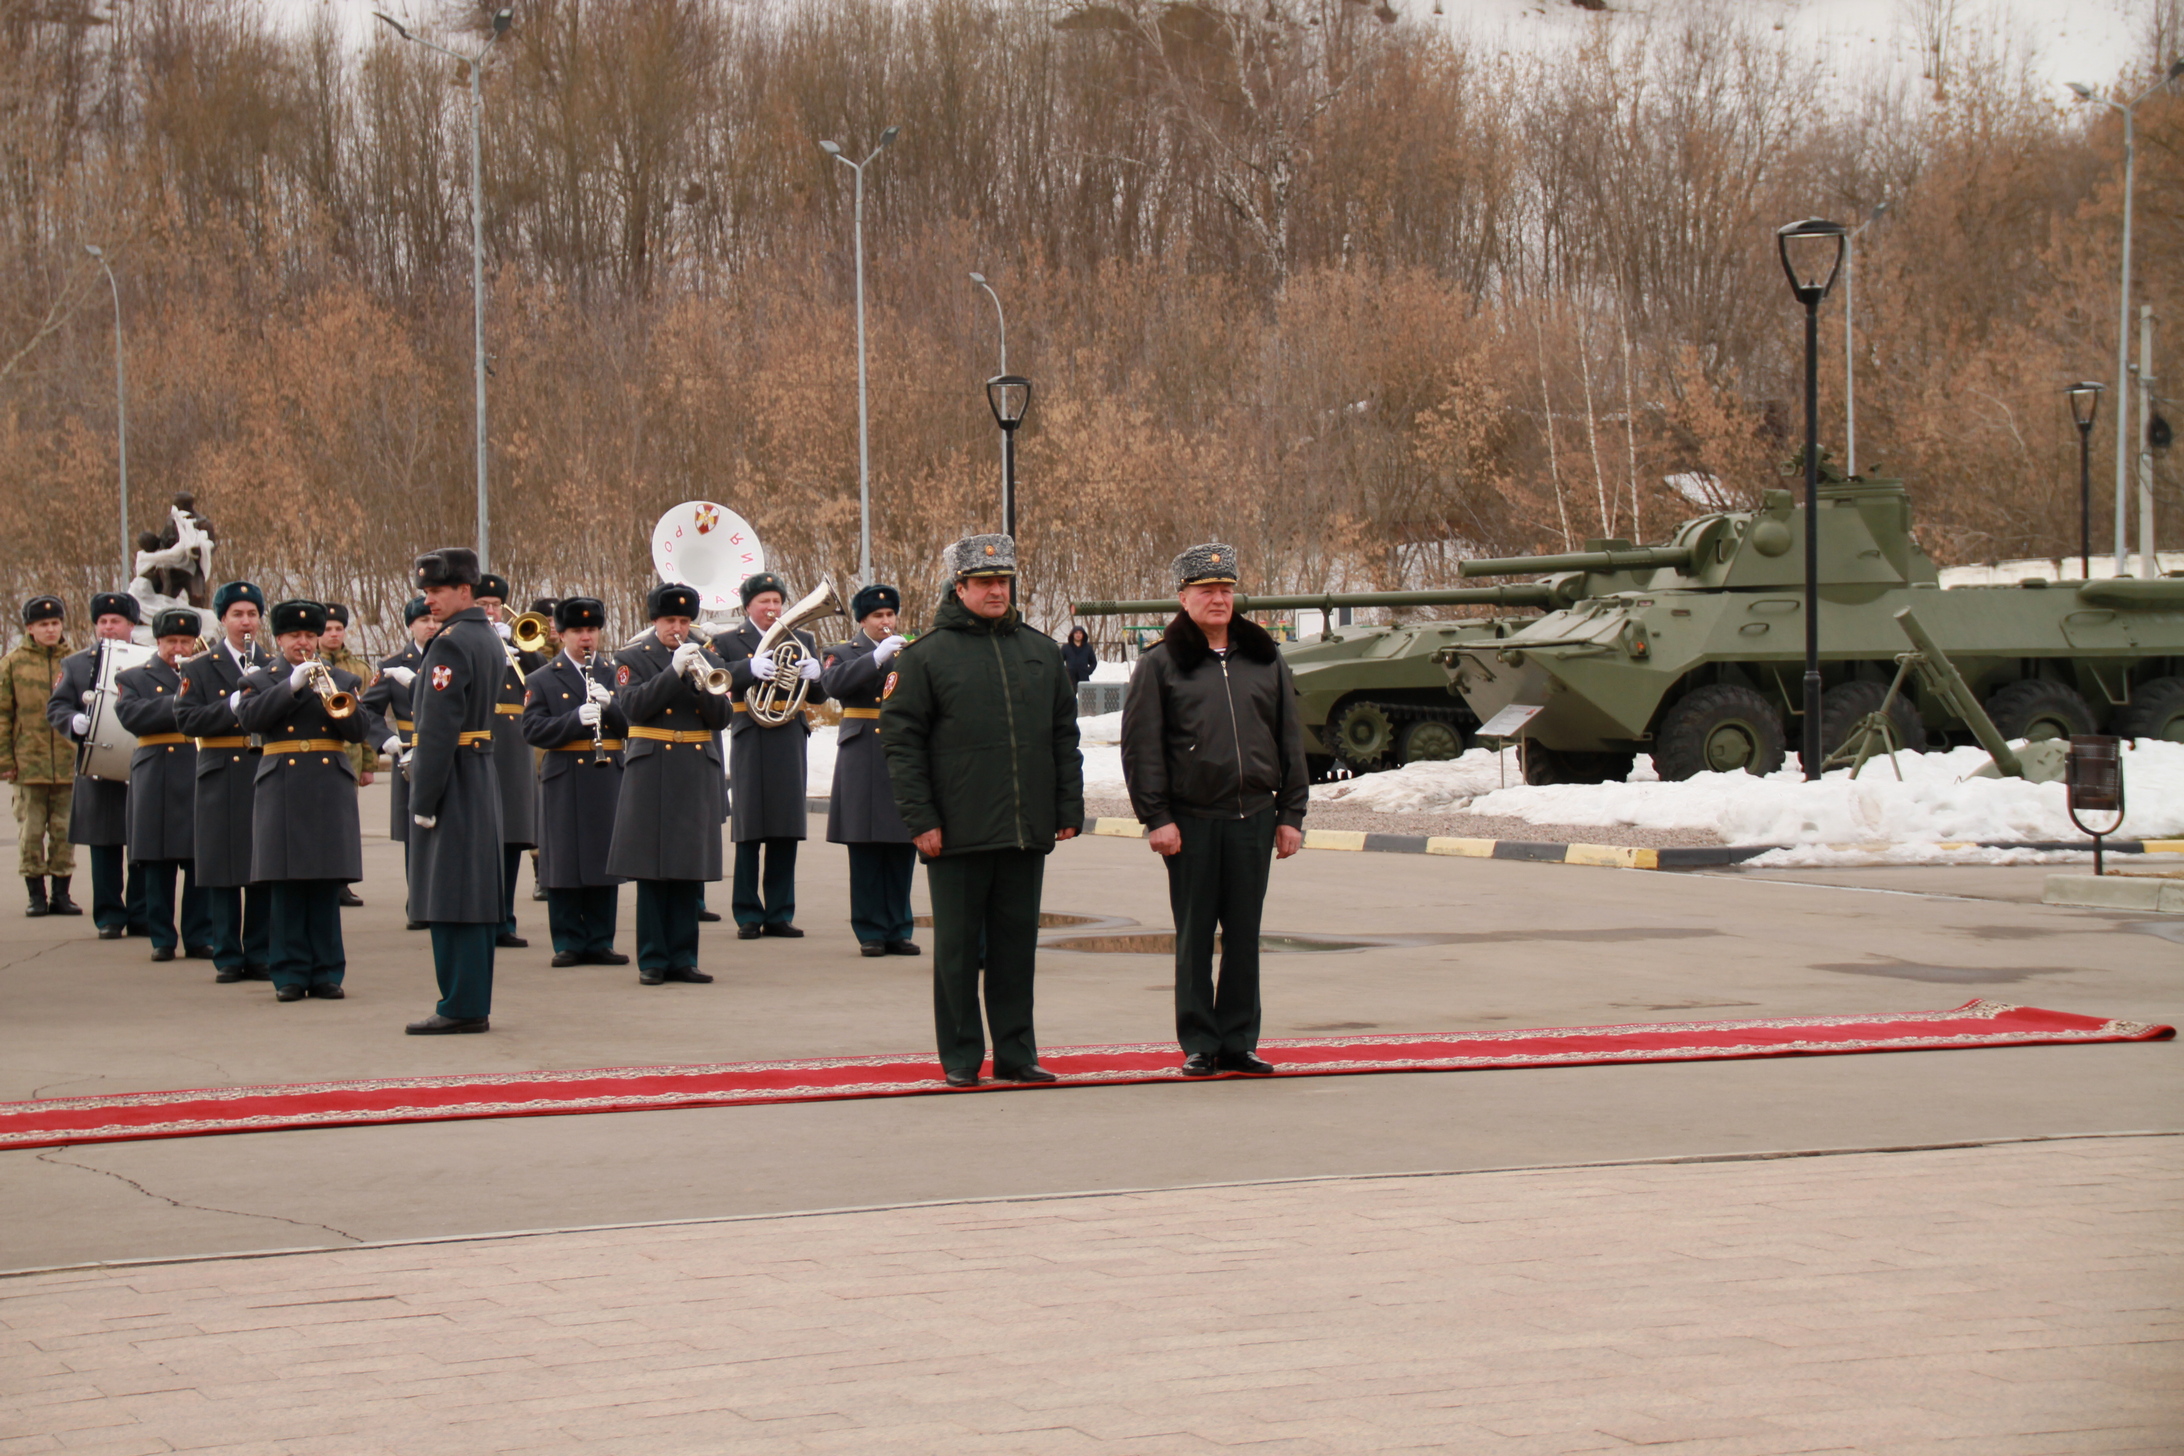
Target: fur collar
1187,644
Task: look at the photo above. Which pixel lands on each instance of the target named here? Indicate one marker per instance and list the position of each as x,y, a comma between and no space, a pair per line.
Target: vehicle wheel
1718,729
2034,708
1560,766
1844,706
1429,740
1363,735
2156,710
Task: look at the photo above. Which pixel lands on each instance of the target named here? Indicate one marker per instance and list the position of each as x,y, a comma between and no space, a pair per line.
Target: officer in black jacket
305,840
511,755
571,713
163,790
861,811
98,813
1213,752
227,778
388,700
455,795
668,816
767,769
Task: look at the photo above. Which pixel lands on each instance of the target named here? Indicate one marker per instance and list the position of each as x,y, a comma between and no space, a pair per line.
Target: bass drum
107,746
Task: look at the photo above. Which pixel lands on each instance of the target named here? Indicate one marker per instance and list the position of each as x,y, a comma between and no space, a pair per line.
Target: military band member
766,771
388,699
334,652
98,811
861,811
667,819
511,755
305,841
227,778
979,723
163,791
37,758
571,714
456,862
546,607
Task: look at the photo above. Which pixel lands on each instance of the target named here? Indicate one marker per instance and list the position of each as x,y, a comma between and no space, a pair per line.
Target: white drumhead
709,547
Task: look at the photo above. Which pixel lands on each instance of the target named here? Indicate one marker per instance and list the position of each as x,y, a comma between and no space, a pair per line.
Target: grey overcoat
162,776
98,812
862,808
767,767
577,797
227,766
304,820
512,757
455,866
667,818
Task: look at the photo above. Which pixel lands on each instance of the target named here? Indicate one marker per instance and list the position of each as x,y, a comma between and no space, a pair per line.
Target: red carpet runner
131,1116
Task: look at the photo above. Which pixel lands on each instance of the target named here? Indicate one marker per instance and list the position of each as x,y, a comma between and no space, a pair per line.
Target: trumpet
779,699
338,703
714,680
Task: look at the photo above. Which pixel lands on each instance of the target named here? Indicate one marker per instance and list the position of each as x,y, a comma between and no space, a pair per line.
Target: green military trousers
992,896
1218,881
41,821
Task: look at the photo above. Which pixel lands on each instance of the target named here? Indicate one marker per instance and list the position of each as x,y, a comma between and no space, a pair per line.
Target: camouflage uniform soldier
37,758
334,652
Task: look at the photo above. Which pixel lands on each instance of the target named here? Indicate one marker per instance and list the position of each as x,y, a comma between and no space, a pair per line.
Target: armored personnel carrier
1693,650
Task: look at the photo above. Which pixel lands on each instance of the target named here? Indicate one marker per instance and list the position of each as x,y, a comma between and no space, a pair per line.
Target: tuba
779,699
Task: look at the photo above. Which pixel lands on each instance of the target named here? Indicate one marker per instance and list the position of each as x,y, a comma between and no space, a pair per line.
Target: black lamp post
1009,395
1812,253
2085,405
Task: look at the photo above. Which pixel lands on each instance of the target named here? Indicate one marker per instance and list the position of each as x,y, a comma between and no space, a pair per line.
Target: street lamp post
1850,345
121,406
475,64
1008,396
1812,254
2085,406
1008,433
2123,287
864,413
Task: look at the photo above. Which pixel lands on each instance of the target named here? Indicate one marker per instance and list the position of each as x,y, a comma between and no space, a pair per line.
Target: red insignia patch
889,690
441,677
621,676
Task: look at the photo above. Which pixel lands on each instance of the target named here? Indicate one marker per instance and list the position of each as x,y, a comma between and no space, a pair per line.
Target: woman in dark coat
1079,656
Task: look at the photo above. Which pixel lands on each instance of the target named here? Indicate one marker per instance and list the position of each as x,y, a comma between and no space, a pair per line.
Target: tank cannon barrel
1538,596
1636,558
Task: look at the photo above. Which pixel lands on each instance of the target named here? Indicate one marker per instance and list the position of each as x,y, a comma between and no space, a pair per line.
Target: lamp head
94,250
830,149
2085,401
1008,396
979,279
1812,254
502,19
2085,92
887,138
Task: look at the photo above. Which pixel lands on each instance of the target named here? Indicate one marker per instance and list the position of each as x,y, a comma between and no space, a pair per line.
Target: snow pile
1937,802
1100,728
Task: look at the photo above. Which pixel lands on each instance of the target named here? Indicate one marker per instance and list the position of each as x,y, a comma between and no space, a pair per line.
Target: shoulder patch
621,675
441,677
888,690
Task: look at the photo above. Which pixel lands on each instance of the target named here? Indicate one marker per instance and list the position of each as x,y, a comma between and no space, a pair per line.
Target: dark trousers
582,920
991,895
306,933
1218,881
667,924
773,900
462,959
879,891
511,861
240,934
198,928
117,890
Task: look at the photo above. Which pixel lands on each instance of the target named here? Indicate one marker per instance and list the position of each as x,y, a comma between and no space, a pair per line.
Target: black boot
58,902
37,896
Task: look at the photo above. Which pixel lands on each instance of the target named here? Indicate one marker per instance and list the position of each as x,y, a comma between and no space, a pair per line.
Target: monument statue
174,567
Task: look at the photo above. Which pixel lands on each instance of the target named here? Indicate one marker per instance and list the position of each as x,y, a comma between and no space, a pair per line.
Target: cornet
338,703
777,700
714,680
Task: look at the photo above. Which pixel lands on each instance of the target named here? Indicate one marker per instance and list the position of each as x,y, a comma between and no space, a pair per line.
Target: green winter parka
979,721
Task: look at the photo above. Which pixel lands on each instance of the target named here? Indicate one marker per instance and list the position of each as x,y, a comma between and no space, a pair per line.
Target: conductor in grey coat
455,795
861,811
227,783
163,791
305,840
571,714
667,818
767,769
98,812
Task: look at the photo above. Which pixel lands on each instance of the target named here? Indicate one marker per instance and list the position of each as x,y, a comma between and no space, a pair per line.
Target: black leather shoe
872,948
162,952
708,917
256,973
606,958
651,978
1032,1073
328,993
691,974
111,932
229,977
788,931
1200,1064
417,925
288,993
437,1025
511,942
197,952
744,932
1244,1062
349,900
904,947
566,958
963,1079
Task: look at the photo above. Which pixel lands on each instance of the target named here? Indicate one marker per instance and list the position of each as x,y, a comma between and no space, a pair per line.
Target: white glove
88,695
762,665
235,701
80,724
402,676
504,631
425,821
891,645
686,654
300,676
811,669
588,715
393,746
597,691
